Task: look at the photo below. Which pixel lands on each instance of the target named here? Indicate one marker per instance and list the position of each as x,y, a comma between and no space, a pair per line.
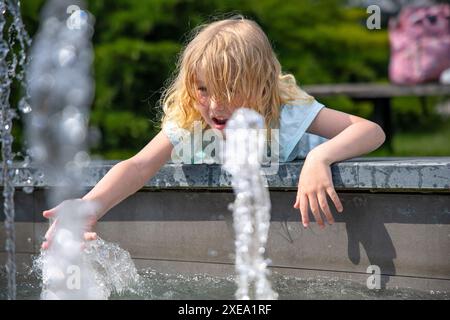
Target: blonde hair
236,59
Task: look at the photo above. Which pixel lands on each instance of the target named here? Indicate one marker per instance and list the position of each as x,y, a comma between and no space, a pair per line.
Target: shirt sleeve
295,119
183,142
173,132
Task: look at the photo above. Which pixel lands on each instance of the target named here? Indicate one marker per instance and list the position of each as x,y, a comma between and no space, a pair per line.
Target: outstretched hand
53,213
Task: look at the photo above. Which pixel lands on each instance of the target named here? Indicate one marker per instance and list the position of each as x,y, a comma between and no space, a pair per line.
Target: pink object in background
420,44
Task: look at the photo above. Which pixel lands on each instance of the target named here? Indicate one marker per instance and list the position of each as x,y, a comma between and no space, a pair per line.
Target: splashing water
11,68
96,272
113,267
251,208
65,274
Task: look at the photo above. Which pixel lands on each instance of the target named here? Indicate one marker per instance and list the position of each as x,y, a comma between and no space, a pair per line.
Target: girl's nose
217,106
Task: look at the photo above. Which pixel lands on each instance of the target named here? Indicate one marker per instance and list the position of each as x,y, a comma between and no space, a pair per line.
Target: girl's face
215,113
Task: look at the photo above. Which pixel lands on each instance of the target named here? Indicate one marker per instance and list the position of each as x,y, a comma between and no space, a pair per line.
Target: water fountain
61,90
11,69
251,209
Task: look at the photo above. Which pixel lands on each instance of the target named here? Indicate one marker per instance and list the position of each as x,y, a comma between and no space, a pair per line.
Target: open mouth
219,121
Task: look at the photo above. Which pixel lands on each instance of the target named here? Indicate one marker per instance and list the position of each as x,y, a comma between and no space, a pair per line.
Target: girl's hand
314,184
53,213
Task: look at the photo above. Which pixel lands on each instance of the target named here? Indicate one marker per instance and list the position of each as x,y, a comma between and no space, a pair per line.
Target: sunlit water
60,85
153,285
13,43
104,268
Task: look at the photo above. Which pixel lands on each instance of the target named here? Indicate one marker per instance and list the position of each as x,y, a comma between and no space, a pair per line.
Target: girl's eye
202,89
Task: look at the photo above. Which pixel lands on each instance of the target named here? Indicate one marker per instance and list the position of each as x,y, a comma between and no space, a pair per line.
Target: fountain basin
396,216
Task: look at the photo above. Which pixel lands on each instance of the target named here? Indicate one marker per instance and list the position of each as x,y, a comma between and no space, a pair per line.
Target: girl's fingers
297,201
324,206
298,198
49,235
303,205
315,209
48,213
51,212
317,202
334,197
87,236
45,245
51,230
90,236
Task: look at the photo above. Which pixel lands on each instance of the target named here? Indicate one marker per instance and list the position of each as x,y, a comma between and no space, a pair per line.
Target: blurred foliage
137,44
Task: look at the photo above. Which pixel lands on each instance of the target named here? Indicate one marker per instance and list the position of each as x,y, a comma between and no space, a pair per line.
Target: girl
227,65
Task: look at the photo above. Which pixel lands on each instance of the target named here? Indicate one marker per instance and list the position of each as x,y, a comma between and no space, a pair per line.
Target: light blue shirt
294,141
295,119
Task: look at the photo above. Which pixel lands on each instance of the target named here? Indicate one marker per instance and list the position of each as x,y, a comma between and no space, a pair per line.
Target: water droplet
46,81
74,129
12,114
24,106
82,159
39,153
28,190
26,162
75,97
66,56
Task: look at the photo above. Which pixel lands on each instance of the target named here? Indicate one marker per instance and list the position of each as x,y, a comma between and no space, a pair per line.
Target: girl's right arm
130,175
123,180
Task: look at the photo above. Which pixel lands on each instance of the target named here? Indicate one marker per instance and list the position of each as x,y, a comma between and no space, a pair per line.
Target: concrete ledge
374,174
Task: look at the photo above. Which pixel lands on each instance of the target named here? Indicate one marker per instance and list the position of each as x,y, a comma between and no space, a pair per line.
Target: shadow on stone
368,230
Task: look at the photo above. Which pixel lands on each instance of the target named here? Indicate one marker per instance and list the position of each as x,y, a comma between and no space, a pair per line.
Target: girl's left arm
349,136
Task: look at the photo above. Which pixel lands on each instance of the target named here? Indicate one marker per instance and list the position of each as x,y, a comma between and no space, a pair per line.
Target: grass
418,144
